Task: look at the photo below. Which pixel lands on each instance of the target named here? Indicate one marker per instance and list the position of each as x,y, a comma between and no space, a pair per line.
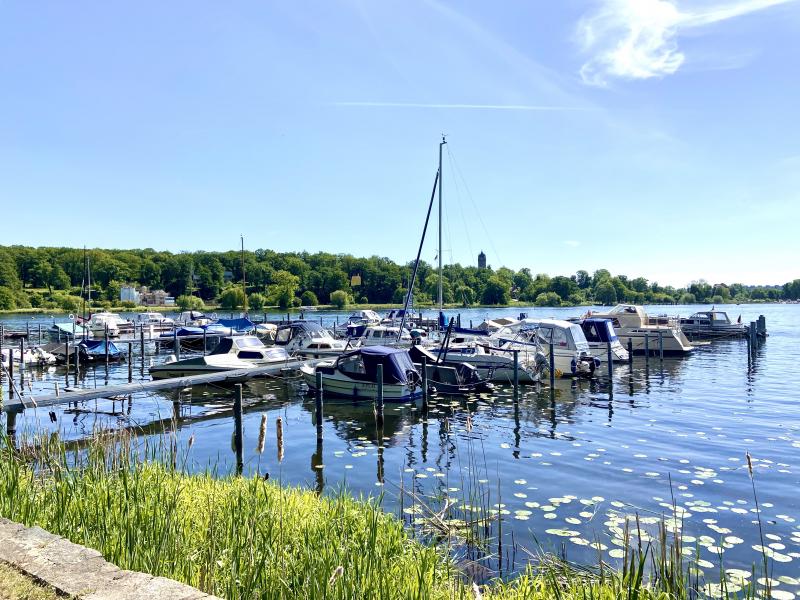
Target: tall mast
244,279
441,303
83,284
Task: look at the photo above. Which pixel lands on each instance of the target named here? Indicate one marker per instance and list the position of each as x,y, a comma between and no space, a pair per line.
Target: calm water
561,470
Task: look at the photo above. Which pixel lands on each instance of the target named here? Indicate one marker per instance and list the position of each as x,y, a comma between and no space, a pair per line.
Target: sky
655,138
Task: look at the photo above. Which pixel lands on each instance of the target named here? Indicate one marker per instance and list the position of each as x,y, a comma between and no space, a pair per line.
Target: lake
560,471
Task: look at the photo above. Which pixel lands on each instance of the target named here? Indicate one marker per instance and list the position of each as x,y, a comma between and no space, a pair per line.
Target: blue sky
650,137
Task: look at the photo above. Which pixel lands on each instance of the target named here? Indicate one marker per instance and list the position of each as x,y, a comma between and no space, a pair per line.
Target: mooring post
630,352
205,345
11,423
105,342
318,405
66,358
130,362
552,365
39,334
58,392
177,344
647,346
21,363
141,340
77,364
10,375
379,397
753,335
516,372
27,329
238,441
610,362
424,374
660,344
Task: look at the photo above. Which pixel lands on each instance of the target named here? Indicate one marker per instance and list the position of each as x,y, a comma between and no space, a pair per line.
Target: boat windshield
249,342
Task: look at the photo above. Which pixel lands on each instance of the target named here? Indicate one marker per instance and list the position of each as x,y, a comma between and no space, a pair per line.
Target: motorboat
309,339
88,351
266,332
633,325
355,374
35,356
154,320
66,330
358,322
712,324
232,353
599,334
101,323
570,350
385,335
193,318
449,377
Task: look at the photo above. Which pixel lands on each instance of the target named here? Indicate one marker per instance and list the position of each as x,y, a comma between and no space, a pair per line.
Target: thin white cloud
637,39
531,107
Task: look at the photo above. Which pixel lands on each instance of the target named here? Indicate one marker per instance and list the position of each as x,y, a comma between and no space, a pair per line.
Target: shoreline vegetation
245,537
58,278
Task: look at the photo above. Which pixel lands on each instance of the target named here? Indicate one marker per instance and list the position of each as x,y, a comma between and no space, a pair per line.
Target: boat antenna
416,262
244,279
441,145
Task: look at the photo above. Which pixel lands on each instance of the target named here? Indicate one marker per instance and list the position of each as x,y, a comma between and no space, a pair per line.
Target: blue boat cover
396,363
598,330
98,348
238,325
468,331
181,331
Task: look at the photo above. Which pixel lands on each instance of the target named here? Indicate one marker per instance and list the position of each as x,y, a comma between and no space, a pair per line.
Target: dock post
630,352
10,375
379,398
660,344
552,366
77,364
105,341
58,392
647,346
238,441
205,345
610,362
424,384
318,405
762,325
11,423
28,330
516,372
177,344
141,339
22,364
39,335
130,362
66,358
753,336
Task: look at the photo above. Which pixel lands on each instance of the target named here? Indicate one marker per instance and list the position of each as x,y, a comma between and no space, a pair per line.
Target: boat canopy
298,328
238,325
598,330
98,348
396,364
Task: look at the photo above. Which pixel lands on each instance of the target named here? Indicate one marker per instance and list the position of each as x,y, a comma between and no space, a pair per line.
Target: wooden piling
177,344
630,352
10,374
552,365
238,436
610,362
660,344
424,384
39,334
646,346
21,364
77,364
105,341
318,405
141,340
516,372
205,344
379,397
130,362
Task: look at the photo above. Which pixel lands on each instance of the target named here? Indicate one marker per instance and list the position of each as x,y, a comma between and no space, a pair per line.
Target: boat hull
344,387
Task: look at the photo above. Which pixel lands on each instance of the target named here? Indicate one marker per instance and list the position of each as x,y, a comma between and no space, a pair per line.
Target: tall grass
249,538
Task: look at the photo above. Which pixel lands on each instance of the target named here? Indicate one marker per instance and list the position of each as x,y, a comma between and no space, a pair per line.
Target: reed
249,538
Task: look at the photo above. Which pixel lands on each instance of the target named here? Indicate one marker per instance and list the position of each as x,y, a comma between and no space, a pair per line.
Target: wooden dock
18,404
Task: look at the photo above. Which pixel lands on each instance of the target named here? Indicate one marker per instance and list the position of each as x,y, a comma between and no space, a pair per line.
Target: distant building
481,260
128,293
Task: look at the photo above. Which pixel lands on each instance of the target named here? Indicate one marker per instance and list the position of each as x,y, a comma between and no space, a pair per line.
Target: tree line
54,277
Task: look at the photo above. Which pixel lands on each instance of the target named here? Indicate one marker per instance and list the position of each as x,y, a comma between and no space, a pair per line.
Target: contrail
530,107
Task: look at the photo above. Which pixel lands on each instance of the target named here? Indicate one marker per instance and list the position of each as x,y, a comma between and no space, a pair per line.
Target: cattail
279,435
262,433
749,463
337,573
191,441
476,592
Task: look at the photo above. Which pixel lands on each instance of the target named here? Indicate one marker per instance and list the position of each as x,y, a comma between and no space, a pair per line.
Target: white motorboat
101,322
31,356
599,334
571,353
194,318
355,374
154,320
239,352
385,335
493,360
632,323
309,339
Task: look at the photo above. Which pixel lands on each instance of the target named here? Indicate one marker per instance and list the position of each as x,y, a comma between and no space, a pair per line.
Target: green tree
232,298
605,293
186,302
548,299
309,298
257,301
8,299
340,298
283,288
687,298
497,291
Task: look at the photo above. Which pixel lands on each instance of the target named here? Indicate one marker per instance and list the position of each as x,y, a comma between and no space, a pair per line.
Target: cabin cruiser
155,320
88,351
193,318
31,356
68,329
571,352
358,322
232,353
449,377
385,335
103,322
310,339
354,374
599,334
632,324
266,332
711,324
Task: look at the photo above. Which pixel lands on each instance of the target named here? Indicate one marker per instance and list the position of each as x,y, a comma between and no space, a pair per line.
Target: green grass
17,586
248,538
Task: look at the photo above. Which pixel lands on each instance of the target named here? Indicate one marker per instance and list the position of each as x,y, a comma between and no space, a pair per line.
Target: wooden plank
126,389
